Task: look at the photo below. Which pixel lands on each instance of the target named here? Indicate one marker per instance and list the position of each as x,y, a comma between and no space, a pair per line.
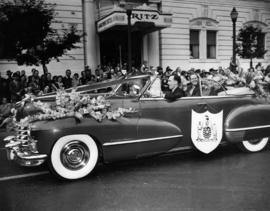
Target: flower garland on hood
74,105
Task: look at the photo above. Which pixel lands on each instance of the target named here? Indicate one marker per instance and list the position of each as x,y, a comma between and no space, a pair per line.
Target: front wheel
74,156
254,145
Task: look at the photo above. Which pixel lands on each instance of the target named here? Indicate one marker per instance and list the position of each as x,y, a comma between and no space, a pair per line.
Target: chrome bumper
23,152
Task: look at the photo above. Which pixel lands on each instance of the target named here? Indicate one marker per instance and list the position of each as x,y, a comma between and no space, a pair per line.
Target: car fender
121,139
248,122
153,128
47,132
153,137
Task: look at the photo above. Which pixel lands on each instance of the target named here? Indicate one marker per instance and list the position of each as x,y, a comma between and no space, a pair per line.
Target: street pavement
224,180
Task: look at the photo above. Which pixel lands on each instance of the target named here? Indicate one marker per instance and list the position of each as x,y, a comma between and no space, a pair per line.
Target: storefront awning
145,19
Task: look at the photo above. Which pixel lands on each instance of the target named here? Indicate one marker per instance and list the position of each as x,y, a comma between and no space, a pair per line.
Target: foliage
249,46
68,105
27,33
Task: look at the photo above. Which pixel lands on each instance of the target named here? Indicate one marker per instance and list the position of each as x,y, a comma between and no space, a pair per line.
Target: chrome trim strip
180,149
247,128
196,97
141,140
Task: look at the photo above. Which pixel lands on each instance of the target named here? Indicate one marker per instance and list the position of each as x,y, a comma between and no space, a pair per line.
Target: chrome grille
23,133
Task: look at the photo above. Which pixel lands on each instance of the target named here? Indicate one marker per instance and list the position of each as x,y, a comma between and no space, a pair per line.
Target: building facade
201,34
175,33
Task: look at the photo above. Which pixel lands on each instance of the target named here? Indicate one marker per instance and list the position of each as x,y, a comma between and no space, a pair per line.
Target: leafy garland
74,105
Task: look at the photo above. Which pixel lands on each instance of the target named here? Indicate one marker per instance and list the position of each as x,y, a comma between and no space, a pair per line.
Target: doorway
113,47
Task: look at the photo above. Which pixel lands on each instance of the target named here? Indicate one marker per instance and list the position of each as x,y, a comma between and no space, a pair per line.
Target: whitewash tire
56,157
251,146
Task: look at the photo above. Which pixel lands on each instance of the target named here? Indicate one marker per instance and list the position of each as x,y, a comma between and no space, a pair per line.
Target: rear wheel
254,145
74,156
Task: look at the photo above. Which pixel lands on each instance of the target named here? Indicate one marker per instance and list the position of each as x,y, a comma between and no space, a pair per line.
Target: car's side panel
154,128
154,137
116,139
248,122
139,148
226,104
177,113
47,132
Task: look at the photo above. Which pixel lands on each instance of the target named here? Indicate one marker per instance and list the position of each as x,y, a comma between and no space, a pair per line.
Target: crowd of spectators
228,77
16,84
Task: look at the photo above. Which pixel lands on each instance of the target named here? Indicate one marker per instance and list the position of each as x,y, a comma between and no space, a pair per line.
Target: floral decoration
74,105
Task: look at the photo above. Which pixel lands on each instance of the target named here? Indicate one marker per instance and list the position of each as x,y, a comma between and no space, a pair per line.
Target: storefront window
194,44
211,44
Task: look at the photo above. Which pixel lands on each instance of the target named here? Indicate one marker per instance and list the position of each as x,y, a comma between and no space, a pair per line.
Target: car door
216,99
166,123
124,132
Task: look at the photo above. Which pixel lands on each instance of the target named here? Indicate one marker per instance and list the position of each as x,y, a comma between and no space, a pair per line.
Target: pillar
91,42
202,41
153,49
145,48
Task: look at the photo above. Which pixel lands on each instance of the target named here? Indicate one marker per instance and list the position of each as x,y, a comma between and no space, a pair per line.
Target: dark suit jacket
195,91
177,93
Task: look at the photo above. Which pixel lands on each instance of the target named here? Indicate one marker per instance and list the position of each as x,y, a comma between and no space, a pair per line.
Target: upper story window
211,44
194,44
203,38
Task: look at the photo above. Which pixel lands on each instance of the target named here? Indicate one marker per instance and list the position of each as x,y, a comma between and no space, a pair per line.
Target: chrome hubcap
75,155
255,141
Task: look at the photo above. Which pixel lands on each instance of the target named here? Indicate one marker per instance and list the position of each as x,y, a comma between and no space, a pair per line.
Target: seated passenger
175,92
193,88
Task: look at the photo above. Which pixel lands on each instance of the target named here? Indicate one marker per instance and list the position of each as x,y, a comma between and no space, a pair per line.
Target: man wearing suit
193,87
174,82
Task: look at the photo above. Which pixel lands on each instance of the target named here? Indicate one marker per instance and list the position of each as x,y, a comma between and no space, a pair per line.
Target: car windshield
211,88
154,88
132,87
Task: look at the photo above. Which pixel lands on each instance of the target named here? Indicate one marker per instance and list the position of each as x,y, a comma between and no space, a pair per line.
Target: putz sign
119,18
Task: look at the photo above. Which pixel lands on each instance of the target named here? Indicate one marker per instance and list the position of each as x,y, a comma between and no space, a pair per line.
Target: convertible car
72,149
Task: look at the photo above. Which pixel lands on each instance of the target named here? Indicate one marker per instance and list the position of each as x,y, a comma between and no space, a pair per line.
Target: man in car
174,83
193,88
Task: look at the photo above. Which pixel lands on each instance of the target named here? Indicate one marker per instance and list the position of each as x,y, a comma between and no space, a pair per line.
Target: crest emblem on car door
206,130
